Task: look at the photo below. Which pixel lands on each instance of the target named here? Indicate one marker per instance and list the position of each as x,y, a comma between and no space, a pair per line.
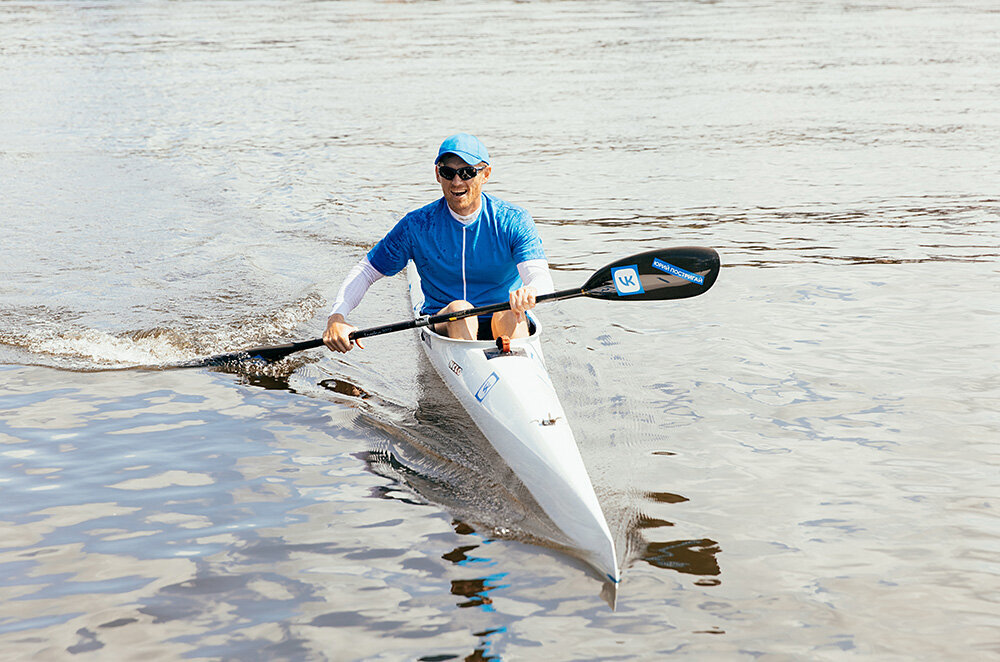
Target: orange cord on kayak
503,344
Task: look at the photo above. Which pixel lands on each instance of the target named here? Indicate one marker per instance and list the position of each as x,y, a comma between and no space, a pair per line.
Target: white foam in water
92,348
107,349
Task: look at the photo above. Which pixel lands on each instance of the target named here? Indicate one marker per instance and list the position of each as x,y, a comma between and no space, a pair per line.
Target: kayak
510,397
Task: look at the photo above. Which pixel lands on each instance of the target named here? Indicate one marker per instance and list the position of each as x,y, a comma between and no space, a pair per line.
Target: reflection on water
344,387
693,557
476,590
198,548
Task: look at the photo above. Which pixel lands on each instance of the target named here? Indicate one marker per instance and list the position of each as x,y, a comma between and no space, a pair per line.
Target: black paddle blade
666,273
265,354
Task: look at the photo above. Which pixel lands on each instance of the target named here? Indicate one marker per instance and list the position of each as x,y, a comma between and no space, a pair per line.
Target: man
470,249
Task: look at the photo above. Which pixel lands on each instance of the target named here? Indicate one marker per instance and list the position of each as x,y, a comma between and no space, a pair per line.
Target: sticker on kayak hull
627,280
487,385
666,267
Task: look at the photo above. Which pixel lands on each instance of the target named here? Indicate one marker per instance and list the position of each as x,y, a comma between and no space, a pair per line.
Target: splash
51,344
103,349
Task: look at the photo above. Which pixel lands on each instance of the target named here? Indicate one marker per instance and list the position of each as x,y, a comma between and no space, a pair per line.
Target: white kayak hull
511,399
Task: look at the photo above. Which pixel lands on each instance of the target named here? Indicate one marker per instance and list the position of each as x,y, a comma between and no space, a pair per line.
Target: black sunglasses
466,173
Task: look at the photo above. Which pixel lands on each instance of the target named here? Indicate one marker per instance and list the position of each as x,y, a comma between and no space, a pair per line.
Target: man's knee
505,323
456,306
465,328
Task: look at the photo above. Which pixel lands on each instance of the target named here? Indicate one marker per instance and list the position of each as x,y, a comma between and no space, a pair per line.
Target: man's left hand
522,300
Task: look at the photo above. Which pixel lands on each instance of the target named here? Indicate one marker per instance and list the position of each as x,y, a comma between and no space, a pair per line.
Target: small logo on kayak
627,280
487,385
455,368
666,267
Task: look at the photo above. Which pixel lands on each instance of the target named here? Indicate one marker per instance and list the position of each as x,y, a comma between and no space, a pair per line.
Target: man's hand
337,334
522,300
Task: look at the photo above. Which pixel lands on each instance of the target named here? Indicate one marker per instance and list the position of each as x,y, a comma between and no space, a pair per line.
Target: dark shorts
486,327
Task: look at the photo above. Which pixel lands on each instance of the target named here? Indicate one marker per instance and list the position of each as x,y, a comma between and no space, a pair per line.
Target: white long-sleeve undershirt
355,284
534,273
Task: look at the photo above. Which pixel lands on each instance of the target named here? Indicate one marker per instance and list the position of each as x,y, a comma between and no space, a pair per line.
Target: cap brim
471,159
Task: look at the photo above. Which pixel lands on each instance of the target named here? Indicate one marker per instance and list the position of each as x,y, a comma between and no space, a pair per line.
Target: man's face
462,195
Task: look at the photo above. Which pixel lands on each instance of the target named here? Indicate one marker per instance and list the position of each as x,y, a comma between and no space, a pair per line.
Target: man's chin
460,204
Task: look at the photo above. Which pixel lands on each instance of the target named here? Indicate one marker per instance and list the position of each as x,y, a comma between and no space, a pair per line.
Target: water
801,464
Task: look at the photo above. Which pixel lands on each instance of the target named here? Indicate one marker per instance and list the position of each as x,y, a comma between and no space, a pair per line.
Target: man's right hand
337,334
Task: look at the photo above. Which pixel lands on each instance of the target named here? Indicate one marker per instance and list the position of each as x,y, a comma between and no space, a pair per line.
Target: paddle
656,275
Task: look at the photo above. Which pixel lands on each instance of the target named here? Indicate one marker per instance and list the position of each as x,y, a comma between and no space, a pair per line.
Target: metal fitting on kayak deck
503,344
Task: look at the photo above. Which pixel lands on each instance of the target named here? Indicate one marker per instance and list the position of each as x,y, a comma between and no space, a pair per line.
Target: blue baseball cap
466,147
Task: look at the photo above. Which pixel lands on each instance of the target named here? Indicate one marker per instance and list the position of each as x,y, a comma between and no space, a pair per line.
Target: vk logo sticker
666,267
487,385
627,280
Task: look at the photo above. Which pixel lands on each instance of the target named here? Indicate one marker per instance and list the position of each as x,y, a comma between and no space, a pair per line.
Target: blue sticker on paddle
666,267
627,280
487,385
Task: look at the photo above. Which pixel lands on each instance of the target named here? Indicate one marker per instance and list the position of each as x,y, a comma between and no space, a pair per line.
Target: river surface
801,464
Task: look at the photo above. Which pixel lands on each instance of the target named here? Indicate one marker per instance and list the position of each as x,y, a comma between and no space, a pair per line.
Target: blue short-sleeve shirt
476,262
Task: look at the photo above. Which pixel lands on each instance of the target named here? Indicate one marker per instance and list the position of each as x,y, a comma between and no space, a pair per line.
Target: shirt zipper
465,291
